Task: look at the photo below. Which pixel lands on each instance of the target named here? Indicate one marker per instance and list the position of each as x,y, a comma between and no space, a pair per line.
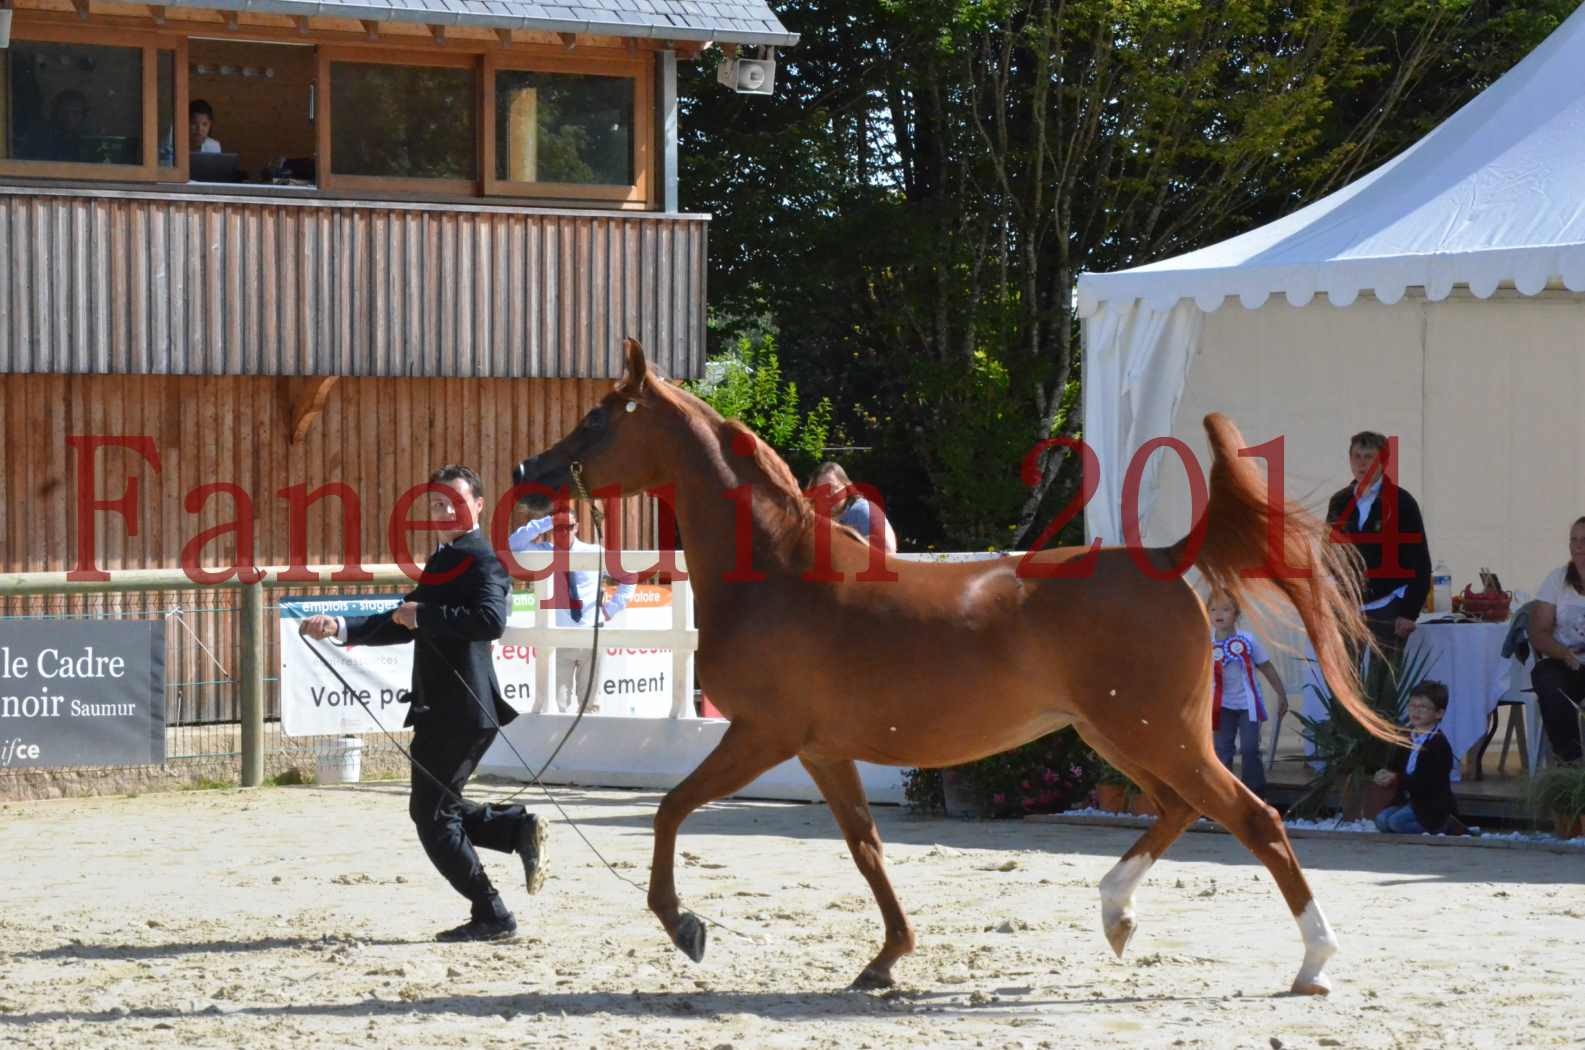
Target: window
86,104
568,129
404,122
74,103
561,127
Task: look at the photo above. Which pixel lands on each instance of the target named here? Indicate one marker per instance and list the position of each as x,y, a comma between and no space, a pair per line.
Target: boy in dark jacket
1423,771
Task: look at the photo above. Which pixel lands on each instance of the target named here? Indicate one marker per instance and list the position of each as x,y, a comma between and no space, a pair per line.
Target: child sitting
1238,708
1422,771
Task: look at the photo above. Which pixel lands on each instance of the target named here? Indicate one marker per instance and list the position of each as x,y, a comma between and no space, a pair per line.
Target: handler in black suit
457,610
1362,512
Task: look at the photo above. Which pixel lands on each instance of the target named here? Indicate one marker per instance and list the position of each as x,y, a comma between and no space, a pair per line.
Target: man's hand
1571,658
319,627
406,614
1384,777
1403,627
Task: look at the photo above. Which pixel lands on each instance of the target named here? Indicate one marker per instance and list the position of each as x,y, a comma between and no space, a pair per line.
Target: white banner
314,703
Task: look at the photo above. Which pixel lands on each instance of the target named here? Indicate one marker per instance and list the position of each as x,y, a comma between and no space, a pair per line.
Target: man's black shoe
480,930
531,846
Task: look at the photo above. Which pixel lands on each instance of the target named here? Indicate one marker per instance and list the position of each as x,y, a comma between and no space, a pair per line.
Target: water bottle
1441,588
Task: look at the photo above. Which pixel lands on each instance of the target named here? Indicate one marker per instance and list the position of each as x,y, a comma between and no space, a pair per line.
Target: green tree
745,383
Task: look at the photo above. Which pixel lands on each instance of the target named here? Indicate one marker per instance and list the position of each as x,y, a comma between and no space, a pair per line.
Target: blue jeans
1398,820
1241,726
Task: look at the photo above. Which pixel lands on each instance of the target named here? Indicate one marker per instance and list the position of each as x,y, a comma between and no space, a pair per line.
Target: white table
1467,658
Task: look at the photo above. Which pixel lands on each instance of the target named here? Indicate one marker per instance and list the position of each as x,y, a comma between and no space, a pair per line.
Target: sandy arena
302,917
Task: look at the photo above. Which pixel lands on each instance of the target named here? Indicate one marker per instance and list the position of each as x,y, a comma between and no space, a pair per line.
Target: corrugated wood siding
139,284
380,436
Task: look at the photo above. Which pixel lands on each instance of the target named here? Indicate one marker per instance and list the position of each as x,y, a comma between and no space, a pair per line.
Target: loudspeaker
748,76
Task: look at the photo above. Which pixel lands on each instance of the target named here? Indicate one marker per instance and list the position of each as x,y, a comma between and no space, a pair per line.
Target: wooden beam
82,8
371,28
439,33
632,47
568,40
504,36
233,21
157,12
688,50
306,399
301,22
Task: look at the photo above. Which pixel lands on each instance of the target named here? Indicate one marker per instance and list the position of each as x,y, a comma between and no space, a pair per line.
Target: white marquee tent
1436,299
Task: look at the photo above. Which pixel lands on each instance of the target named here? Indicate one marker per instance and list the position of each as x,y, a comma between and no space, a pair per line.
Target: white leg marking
1117,899
1320,944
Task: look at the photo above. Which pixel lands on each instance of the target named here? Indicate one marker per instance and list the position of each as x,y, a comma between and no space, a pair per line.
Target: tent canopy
1495,195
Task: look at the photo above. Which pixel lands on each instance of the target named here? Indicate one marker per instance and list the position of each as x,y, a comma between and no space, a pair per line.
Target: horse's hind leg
844,793
733,765
1214,791
1118,885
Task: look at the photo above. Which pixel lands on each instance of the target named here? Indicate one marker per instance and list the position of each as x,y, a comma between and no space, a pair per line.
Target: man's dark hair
452,471
1433,691
537,504
1368,440
197,106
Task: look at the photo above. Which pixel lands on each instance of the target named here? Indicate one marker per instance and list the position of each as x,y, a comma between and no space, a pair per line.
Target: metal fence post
252,643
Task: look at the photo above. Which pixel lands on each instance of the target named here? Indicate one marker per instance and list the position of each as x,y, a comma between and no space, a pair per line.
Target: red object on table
707,709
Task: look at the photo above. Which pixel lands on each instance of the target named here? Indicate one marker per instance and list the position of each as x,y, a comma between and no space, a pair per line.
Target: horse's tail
1293,551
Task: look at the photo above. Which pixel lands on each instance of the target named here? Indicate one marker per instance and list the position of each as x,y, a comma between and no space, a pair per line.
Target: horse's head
614,444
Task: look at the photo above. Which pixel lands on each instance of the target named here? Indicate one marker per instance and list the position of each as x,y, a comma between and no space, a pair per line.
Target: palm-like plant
1349,755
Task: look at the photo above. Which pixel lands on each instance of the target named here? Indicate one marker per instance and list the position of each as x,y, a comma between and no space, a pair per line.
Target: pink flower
1050,777
999,799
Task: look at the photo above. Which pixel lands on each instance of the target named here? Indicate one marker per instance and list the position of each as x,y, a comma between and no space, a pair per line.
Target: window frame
150,44
325,166
636,195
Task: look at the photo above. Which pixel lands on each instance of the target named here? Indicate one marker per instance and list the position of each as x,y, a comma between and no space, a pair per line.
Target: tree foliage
745,383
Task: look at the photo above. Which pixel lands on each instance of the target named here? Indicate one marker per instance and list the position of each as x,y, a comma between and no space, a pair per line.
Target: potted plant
1112,789
923,791
1349,756
1559,793
1047,775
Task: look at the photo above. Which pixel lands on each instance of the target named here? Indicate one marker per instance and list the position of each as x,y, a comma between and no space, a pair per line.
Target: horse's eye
594,421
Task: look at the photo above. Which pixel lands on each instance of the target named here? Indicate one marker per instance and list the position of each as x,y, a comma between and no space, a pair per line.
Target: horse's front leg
844,792
732,766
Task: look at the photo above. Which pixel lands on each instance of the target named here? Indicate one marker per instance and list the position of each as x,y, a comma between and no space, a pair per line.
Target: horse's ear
637,368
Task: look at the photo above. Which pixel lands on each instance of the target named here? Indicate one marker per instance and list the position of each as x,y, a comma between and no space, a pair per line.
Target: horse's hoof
1119,933
1317,985
690,936
872,980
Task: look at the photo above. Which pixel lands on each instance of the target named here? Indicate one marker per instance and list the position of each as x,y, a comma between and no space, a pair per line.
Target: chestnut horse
952,662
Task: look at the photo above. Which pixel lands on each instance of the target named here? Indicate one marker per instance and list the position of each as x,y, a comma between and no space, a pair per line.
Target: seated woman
1423,771
851,509
1557,634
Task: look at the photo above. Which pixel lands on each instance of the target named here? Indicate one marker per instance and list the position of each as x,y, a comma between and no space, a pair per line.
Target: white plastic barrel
342,763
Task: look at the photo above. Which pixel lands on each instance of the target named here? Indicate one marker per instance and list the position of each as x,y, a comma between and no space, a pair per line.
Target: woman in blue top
851,509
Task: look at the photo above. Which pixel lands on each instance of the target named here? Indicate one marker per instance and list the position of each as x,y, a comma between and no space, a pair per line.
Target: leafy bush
745,384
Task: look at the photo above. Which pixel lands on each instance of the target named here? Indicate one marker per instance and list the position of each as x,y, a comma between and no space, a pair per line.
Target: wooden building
415,232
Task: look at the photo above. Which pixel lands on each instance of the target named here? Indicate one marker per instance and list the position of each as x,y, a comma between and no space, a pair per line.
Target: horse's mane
773,470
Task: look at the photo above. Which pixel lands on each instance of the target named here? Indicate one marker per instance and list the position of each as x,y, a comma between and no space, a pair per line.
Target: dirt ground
302,917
